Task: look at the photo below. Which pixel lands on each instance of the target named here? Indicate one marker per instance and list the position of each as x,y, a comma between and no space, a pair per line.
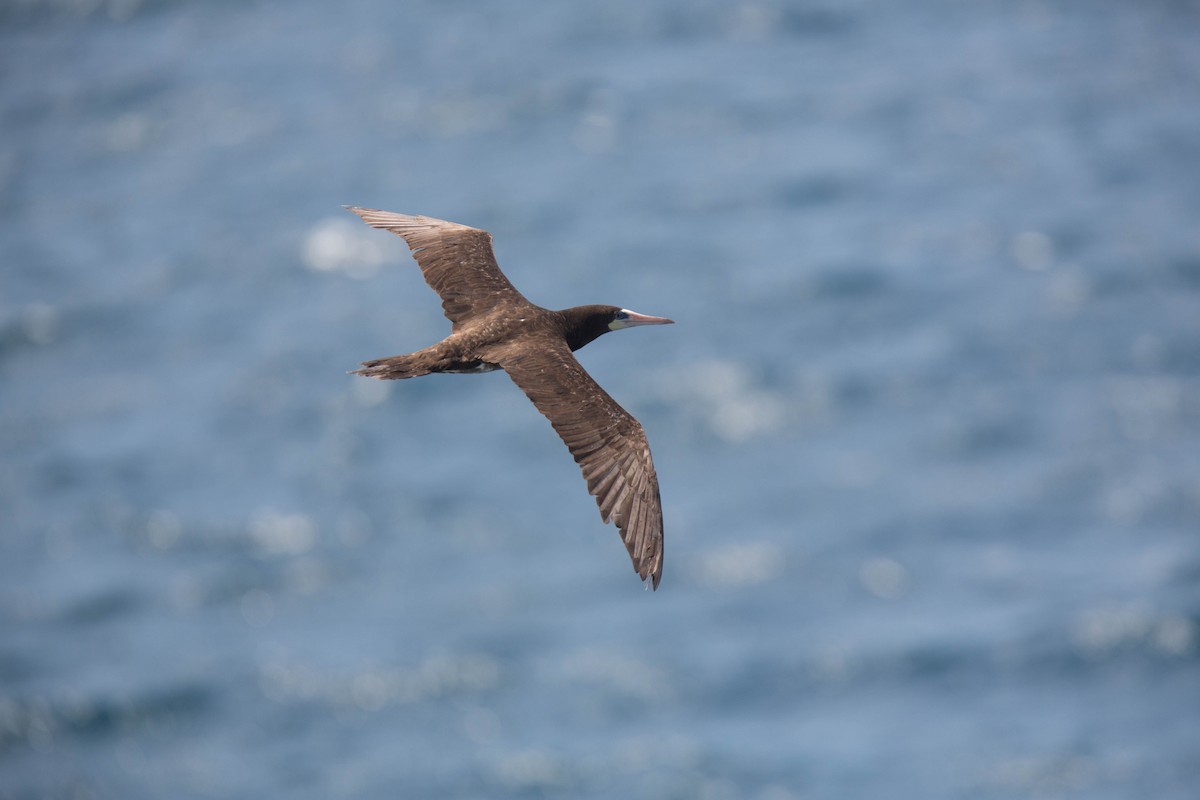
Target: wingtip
651,578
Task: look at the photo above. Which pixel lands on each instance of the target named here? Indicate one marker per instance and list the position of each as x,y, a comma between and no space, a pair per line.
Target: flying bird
494,327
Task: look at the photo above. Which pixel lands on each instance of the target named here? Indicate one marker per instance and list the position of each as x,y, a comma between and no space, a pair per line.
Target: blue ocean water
928,427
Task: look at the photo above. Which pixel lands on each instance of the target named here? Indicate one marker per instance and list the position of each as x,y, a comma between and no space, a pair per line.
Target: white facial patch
619,323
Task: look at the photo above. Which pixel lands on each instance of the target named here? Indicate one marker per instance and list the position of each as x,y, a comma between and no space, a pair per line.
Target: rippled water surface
928,427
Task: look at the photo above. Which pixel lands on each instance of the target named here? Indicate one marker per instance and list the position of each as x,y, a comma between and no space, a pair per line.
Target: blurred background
928,427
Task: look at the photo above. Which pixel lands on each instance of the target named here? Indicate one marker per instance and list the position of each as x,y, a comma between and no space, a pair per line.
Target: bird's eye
621,315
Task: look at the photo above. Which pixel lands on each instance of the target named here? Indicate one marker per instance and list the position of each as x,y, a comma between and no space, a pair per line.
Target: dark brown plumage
494,327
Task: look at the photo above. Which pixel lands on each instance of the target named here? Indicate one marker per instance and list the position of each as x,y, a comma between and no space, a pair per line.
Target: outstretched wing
457,262
608,443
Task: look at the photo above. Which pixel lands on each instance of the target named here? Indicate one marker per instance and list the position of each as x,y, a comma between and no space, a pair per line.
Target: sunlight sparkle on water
340,245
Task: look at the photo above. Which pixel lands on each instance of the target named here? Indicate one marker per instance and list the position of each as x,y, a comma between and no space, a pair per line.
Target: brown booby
494,327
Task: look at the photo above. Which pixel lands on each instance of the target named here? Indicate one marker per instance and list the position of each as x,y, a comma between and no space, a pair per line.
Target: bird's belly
470,368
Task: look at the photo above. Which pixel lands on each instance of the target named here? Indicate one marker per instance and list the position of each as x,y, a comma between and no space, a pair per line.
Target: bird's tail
394,368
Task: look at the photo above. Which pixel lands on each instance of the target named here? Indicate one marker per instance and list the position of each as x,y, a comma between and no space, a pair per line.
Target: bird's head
585,324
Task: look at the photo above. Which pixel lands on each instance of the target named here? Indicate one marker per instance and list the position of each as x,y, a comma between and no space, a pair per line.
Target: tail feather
393,368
